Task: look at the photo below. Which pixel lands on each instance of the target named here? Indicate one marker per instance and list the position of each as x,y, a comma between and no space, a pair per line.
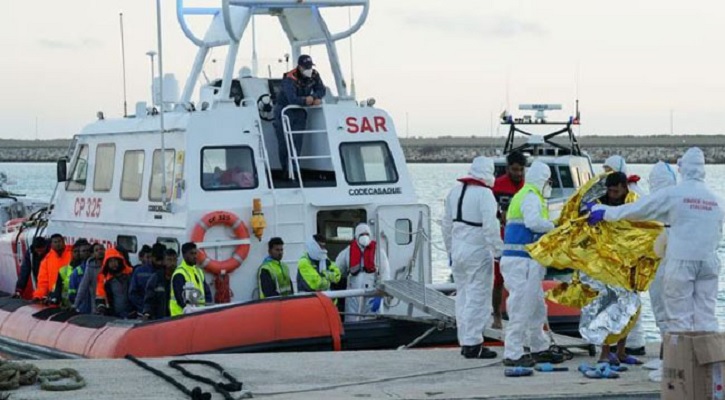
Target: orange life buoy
240,232
12,225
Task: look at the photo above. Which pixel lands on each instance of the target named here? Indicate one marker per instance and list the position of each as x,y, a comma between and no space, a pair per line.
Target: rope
13,375
61,380
194,394
223,293
223,388
381,380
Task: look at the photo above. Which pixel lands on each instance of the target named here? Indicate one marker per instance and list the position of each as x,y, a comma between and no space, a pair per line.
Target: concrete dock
430,374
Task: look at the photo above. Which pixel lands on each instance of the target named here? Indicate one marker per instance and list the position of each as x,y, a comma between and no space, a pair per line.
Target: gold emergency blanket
612,261
617,253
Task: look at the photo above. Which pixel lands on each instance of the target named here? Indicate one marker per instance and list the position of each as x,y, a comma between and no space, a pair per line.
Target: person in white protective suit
472,237
661,177
616,163
635,339
691,268
364,264
527,219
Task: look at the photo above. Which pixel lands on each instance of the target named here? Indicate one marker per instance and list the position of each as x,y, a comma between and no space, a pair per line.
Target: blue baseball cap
305,61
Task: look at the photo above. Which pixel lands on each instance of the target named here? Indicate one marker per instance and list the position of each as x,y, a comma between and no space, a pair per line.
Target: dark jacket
295,87
117,298
139,279
31,264
86,294
156,299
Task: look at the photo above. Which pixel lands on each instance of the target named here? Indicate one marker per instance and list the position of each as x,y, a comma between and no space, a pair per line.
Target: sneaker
548,356
478,352
635,351
525,361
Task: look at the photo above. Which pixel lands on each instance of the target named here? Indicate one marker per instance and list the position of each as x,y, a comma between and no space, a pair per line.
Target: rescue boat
536,136
156,177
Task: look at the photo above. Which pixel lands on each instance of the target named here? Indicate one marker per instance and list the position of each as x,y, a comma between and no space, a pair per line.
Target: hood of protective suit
662,176
314,251
482,170
111,252
538,174
692,164
616,163
361,229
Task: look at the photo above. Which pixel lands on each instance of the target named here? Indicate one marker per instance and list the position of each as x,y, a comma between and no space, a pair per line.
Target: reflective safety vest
191,274
280,274
65,274
517,235
310,279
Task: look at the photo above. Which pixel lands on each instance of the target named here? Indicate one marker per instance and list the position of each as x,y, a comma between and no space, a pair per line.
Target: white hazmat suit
523,276
472,237
661,177
692,266
359,278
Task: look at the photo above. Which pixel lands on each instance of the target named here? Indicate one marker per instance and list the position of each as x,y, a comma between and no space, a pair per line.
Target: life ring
240,232
13,224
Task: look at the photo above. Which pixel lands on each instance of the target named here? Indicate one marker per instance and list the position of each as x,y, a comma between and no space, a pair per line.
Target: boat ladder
290,218
425,299
293,159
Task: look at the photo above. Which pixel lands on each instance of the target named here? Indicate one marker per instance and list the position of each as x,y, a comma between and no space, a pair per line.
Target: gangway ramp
425,299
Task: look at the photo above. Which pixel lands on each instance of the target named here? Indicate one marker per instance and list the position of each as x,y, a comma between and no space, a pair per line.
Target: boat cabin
200,168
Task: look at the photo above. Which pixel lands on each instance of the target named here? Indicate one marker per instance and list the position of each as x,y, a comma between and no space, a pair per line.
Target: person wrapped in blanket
612,262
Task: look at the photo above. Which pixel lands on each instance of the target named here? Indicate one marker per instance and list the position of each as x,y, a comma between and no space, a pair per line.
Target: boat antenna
123,65
255,63
352,59
161,104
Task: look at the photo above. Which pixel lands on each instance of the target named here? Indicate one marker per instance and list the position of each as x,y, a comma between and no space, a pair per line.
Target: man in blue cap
301,87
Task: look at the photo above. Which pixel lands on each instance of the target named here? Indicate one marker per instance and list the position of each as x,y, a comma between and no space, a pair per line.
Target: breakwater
635,149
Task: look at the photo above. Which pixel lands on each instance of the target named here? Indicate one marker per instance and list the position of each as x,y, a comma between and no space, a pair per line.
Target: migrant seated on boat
233,178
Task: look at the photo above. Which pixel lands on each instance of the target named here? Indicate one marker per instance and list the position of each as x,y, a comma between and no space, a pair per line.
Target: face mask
364,240
547,192
307,73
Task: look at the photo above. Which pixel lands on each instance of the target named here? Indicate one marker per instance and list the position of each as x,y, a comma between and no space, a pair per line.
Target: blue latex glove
590,205
596,217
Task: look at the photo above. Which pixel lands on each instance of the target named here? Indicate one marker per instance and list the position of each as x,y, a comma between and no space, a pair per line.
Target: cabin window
103,172
566,179
575,177
132,175
169,243
130,243
77,182
228,168
367,163
157,170
403,231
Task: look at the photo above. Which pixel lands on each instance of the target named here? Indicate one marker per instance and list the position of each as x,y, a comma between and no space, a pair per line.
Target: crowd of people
92,279
488,223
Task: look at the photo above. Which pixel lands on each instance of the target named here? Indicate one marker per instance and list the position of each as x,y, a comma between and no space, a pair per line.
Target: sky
439,68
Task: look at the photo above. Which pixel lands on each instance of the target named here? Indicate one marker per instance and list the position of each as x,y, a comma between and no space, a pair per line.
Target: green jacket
310,279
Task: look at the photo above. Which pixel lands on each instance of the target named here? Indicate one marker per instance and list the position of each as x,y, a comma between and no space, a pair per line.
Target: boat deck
406,374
